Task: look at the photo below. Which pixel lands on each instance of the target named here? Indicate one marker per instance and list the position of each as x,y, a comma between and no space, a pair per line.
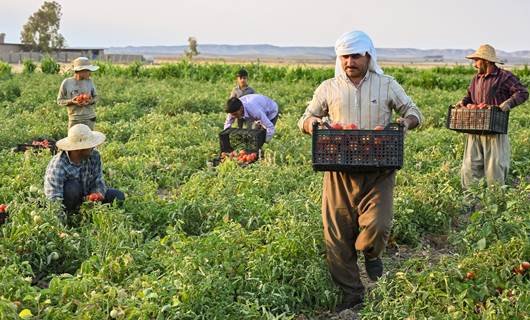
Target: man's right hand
460,104
308,124
95,197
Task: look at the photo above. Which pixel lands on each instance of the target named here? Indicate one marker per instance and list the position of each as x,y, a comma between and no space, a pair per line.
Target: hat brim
89,68
478,56
97,139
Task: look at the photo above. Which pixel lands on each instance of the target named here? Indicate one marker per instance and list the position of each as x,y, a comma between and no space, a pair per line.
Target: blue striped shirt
89,173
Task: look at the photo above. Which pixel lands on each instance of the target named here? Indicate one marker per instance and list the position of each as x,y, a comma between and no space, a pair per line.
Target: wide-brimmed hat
82,63
485,52
80,137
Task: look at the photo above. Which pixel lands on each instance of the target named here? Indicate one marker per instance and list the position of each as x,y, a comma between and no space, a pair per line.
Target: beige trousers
485,156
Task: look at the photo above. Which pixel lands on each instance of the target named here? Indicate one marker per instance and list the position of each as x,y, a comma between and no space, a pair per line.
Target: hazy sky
422,24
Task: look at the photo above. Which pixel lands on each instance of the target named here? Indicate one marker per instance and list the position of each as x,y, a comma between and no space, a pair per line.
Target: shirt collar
366,77
494,73
71,162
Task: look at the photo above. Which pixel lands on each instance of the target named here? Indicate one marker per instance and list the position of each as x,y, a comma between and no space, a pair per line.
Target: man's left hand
405,122
408,123
505,106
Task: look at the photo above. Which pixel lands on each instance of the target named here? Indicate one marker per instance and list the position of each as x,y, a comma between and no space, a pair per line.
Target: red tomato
470,275
351,126
336,126
3,208
96,196
525,265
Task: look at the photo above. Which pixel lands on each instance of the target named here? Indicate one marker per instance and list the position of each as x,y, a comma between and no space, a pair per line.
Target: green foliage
192,48
41,32
5,70
199,242
9,91
49,65
29,66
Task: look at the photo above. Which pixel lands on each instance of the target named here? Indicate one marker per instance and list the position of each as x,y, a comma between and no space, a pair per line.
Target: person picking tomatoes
78,94
75,174
489,155
357,207
254,108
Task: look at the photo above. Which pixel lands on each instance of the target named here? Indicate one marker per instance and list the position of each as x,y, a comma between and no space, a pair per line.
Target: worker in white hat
357,208
75,174
78,94
489,155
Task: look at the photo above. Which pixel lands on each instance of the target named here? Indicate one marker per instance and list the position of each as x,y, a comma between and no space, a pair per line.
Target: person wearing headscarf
489,155
357,207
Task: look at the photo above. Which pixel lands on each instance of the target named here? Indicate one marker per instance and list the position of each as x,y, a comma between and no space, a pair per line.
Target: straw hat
82,63
80,137
485,52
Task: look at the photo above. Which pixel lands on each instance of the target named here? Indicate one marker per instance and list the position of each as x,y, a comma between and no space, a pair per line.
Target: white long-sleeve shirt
369,104
257,107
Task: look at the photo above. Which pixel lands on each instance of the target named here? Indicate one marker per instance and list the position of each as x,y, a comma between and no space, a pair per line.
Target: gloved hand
505,106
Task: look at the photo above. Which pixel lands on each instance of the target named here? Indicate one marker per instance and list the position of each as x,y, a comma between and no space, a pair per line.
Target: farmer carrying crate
254,108
357,207
489,155
78,94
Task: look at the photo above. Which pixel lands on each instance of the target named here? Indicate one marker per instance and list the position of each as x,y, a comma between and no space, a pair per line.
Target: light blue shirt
257,107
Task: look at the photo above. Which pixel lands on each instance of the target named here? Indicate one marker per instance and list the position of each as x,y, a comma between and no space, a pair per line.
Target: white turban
355,42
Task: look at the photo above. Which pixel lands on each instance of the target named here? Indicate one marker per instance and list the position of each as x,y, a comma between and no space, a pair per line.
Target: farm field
194,241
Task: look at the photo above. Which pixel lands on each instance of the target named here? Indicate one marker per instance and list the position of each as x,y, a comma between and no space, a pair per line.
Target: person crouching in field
75,174
253,108
489,155
78,94
357,208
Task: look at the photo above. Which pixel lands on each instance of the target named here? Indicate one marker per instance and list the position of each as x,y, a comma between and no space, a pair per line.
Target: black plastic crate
250,140
477,121
358,150
38,144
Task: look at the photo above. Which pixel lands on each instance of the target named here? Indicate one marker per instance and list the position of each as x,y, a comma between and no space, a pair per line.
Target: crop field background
199,242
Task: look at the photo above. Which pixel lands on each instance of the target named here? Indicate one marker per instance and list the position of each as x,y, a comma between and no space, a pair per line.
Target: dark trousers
357,215
73,195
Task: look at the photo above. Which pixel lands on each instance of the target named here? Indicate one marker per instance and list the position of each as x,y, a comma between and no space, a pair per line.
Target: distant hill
323,53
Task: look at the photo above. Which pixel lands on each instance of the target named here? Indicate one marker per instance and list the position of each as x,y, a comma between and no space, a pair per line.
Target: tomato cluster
479,106
242,156
351,126
83,98
42,144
